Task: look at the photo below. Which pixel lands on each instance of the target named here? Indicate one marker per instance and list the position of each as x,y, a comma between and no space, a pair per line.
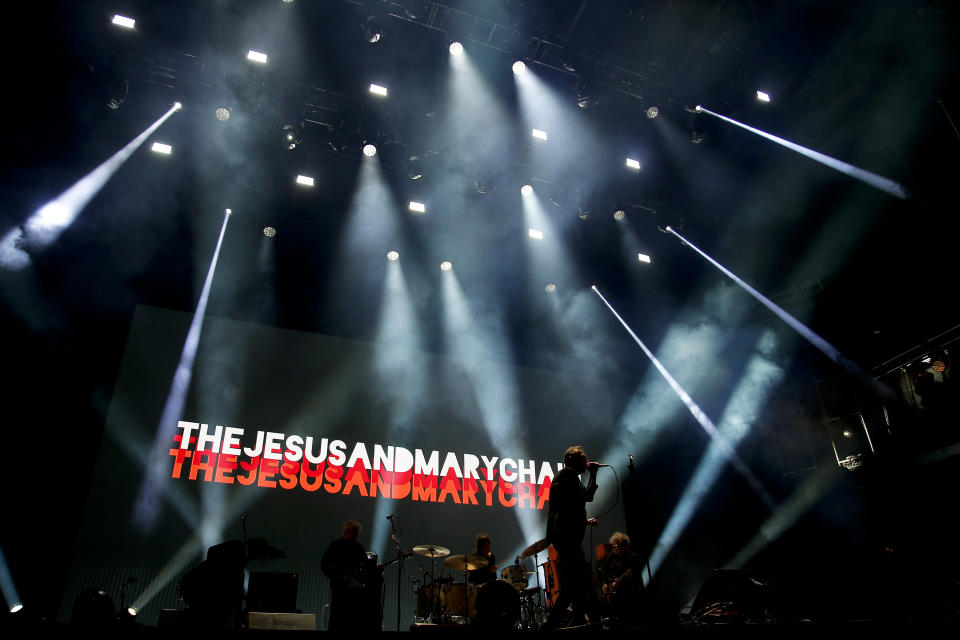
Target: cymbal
535,548
431,550
466,562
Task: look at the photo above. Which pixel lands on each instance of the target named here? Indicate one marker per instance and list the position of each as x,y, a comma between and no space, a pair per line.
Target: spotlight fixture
122,21
222,114
698,109
159,147
393,256
178,105
290,139
256,56
519,67
417,207
653,112
372,29
306,181
228,211
619,215
535,233
132,611
633,164
446,265
642,257
369,150
377,90
456,49
585,100
550,288
538,134
763,97
269,232
526,190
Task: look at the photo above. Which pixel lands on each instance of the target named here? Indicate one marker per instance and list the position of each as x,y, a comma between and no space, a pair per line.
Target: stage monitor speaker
731,595
272,592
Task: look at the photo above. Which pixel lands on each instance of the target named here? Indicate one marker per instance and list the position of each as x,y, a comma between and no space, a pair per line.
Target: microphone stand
633,478
396,540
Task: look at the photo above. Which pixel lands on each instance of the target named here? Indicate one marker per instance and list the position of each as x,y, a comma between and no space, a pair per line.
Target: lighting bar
159,147
378,90
535,233
633,164
642,257
256,56
763,97
537,133
121,21
305,180
418,207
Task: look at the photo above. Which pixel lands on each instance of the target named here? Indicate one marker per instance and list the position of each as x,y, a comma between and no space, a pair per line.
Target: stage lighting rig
291,138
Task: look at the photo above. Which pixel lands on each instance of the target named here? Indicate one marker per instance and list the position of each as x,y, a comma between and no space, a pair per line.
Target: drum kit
507,603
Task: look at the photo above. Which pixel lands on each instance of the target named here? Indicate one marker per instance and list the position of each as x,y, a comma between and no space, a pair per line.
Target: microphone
602,465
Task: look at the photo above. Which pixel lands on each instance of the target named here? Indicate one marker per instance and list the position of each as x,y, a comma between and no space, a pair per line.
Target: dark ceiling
869,83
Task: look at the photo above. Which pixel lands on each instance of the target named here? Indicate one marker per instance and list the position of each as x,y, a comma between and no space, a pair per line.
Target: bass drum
497,606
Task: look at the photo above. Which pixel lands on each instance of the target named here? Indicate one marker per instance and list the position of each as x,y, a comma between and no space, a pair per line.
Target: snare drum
516,575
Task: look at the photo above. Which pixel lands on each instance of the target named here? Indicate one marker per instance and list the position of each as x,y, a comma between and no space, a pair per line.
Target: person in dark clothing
566,523
343,563
622,574
483,575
